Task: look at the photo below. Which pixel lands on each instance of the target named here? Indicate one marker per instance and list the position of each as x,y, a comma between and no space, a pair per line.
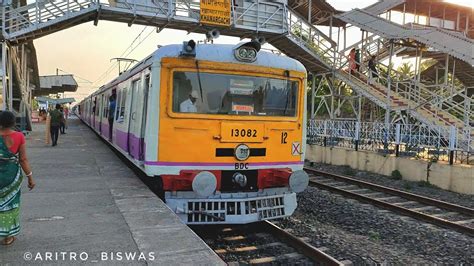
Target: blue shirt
112,109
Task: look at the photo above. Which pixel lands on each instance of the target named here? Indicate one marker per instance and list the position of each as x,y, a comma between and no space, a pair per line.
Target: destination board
215,12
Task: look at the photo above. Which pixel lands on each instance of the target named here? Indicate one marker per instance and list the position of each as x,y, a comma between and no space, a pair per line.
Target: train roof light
189,49
247,52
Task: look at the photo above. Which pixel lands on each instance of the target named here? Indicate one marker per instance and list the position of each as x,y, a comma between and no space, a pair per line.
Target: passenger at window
189,105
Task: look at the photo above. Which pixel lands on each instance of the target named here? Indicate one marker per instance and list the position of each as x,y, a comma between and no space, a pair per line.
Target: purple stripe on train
130,143
220,164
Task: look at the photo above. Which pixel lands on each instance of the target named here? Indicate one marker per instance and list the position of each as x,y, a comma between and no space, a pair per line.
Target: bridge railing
311,38
30,16
409,140
257,16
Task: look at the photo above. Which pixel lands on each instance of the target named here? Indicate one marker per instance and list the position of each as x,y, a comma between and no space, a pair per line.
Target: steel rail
301,246
399,209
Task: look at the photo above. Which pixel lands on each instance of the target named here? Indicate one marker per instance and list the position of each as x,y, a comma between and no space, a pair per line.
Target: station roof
441,9
55,101
56,84
321,12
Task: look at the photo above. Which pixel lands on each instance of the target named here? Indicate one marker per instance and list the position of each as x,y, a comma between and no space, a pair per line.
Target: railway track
430,210
262,243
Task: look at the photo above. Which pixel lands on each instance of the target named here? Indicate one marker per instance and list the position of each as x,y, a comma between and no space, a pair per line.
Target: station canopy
321,12
441,9
53,101
56,84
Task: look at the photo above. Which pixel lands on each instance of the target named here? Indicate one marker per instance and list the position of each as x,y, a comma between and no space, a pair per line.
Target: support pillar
6,85
419,66
428,22
330,26
458,20
404,12
467,25
389,84
446,70
345,37
309,11
313,94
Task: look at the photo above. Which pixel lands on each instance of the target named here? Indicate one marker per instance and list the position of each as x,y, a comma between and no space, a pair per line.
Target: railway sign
215,12
296,148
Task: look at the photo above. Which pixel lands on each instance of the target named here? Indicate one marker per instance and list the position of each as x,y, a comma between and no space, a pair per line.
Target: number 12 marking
284,135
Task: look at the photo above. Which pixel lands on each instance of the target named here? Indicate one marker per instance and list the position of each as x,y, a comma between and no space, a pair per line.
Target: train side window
123,101
117,107
106,105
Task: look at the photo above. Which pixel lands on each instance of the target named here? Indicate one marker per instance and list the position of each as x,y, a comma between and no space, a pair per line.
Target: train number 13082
250,133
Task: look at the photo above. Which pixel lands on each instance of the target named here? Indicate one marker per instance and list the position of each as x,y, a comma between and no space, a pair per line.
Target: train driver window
234,94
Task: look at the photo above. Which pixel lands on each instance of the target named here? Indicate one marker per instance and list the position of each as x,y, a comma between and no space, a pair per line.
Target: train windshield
209,93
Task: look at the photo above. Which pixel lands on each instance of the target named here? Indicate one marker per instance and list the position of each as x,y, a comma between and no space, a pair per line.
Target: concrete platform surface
88,206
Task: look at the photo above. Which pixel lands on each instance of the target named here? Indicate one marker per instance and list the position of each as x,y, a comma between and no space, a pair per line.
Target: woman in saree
12,160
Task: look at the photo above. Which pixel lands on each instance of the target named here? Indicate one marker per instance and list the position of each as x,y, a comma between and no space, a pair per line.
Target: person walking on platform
62,124
12,160
373,74
357,59
66,116
352,61
56,118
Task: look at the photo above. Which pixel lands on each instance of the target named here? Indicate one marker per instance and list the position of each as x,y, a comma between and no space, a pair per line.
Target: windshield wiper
199,79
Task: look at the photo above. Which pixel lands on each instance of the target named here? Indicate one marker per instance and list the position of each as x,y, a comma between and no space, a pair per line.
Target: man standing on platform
56,119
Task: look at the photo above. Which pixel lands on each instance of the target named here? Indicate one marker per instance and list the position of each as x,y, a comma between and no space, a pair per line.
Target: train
219,129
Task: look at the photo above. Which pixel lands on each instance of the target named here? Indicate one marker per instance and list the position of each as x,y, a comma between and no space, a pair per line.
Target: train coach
219,129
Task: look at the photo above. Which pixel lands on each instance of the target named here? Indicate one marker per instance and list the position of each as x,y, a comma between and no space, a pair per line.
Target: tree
406,70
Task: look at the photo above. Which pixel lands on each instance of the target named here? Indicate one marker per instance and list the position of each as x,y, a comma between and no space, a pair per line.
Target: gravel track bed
421,188
252,237
367,235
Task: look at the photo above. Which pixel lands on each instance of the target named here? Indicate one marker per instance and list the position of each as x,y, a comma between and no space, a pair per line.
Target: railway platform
88,206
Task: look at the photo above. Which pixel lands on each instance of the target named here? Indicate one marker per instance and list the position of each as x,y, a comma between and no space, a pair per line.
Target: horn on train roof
189,48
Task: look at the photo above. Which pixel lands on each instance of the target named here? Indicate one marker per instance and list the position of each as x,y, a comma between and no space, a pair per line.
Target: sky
86,50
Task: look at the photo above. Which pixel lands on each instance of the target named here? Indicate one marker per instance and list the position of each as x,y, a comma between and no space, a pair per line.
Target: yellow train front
219,129
231,133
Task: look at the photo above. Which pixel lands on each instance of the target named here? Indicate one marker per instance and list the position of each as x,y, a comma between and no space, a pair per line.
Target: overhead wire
115,64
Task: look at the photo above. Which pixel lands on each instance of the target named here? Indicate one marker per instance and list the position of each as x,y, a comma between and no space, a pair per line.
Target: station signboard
215,12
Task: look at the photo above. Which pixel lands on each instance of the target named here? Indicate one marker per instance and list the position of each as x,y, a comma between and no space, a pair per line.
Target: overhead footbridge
272,20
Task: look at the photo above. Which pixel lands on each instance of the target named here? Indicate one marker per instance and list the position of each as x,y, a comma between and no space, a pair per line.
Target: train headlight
242,152
239,179
204,184
299,180
247,52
